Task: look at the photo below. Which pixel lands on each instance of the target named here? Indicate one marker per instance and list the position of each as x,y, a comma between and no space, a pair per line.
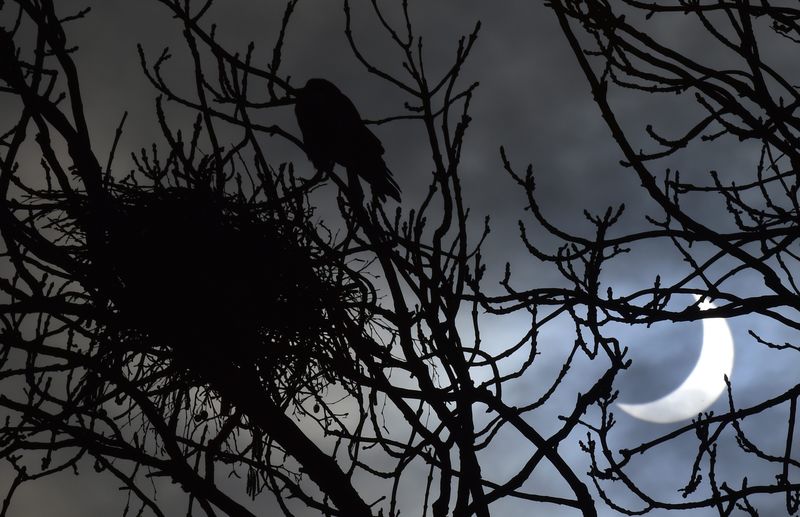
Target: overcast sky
532,99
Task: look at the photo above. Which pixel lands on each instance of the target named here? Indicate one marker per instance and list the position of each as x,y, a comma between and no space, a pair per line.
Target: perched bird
333,132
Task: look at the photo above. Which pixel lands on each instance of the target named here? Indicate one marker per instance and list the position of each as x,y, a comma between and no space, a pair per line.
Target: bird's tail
385,185
379,177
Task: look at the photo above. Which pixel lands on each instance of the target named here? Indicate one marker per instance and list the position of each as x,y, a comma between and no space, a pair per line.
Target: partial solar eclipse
704,384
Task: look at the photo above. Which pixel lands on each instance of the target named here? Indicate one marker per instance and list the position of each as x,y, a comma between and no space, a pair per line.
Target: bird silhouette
333,132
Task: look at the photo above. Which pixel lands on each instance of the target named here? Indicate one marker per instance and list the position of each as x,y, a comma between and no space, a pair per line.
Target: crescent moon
704,384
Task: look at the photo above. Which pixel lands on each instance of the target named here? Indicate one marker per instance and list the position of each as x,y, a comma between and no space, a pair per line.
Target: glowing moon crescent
703,386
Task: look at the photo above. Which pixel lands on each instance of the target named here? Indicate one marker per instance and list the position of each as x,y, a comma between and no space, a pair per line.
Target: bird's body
333,132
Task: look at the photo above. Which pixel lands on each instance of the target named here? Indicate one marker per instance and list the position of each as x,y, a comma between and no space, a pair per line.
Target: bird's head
316,86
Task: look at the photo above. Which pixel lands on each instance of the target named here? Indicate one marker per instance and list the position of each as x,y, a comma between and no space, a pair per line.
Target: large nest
214,286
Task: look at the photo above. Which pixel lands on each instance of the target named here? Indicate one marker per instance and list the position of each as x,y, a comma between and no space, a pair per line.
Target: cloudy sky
532,99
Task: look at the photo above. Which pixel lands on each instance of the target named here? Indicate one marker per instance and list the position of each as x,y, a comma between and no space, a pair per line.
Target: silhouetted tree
194,319
193,316
735,92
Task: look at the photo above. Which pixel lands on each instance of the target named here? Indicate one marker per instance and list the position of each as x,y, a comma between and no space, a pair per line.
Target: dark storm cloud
534,100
